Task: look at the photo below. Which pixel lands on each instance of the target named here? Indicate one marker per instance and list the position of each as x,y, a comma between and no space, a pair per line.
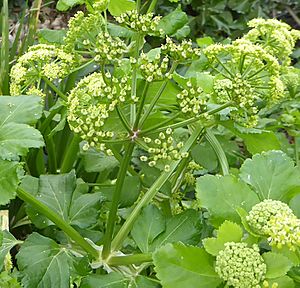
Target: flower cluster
188,175
82,31
182,52
192,100
277,37
91,103
276,221
241,266
40,61
247,75
154,69
100,5
163,150
144,23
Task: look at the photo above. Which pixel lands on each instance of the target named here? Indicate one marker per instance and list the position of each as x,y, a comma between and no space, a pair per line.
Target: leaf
16,139
8,180
272,174
221,196
228,232
65,196
111,280
277,264
8,242
129,194
21,109
184,227
173,22
205,155
282,282
52,36
64,5
43,263
180,266
204,41
94,161
117,7
149,224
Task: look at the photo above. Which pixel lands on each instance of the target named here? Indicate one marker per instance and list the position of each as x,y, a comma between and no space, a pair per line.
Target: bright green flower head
275,220
247,76
90,105
275,36
40,61
241,266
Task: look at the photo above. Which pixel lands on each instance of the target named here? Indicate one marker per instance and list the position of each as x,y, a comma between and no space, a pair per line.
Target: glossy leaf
147,227
221,196
272,175
180,266
43,263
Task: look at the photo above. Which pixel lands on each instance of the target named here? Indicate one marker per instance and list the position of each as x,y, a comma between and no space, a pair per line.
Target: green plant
113,153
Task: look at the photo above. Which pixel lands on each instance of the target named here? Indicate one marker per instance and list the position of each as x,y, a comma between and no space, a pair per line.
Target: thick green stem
125,229
58,221
115,200
152,6
157,96
123,119
213,141
142,103
129,259
71,155
55,89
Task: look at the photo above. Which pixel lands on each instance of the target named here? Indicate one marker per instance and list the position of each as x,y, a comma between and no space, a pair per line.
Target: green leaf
117,7
52,36
94,161
21,109
130,191
111,280
282,282
272,174
228,232
147,227
221,196
205,155
8,242
277,264
43,263
204,41
16,139
173,22
64,195
8,180
64,5
184,227
205,81
179,266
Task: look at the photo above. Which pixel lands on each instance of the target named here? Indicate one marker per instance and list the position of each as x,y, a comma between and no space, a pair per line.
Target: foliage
130,165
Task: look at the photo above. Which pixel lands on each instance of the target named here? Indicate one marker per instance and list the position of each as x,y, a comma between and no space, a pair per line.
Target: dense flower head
82,30
277,37
100,5
91,103
155,68
143,23
246,75
192,100
162,150
40,61
241,266
180,52
189,176
275,220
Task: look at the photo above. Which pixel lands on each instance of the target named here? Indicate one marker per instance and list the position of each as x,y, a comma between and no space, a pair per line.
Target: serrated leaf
8,180
147,227
227,232
8,242
111,280
277,264
221,196
43,263
117,7
184,227
179,266
16,139
65,196
272,174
